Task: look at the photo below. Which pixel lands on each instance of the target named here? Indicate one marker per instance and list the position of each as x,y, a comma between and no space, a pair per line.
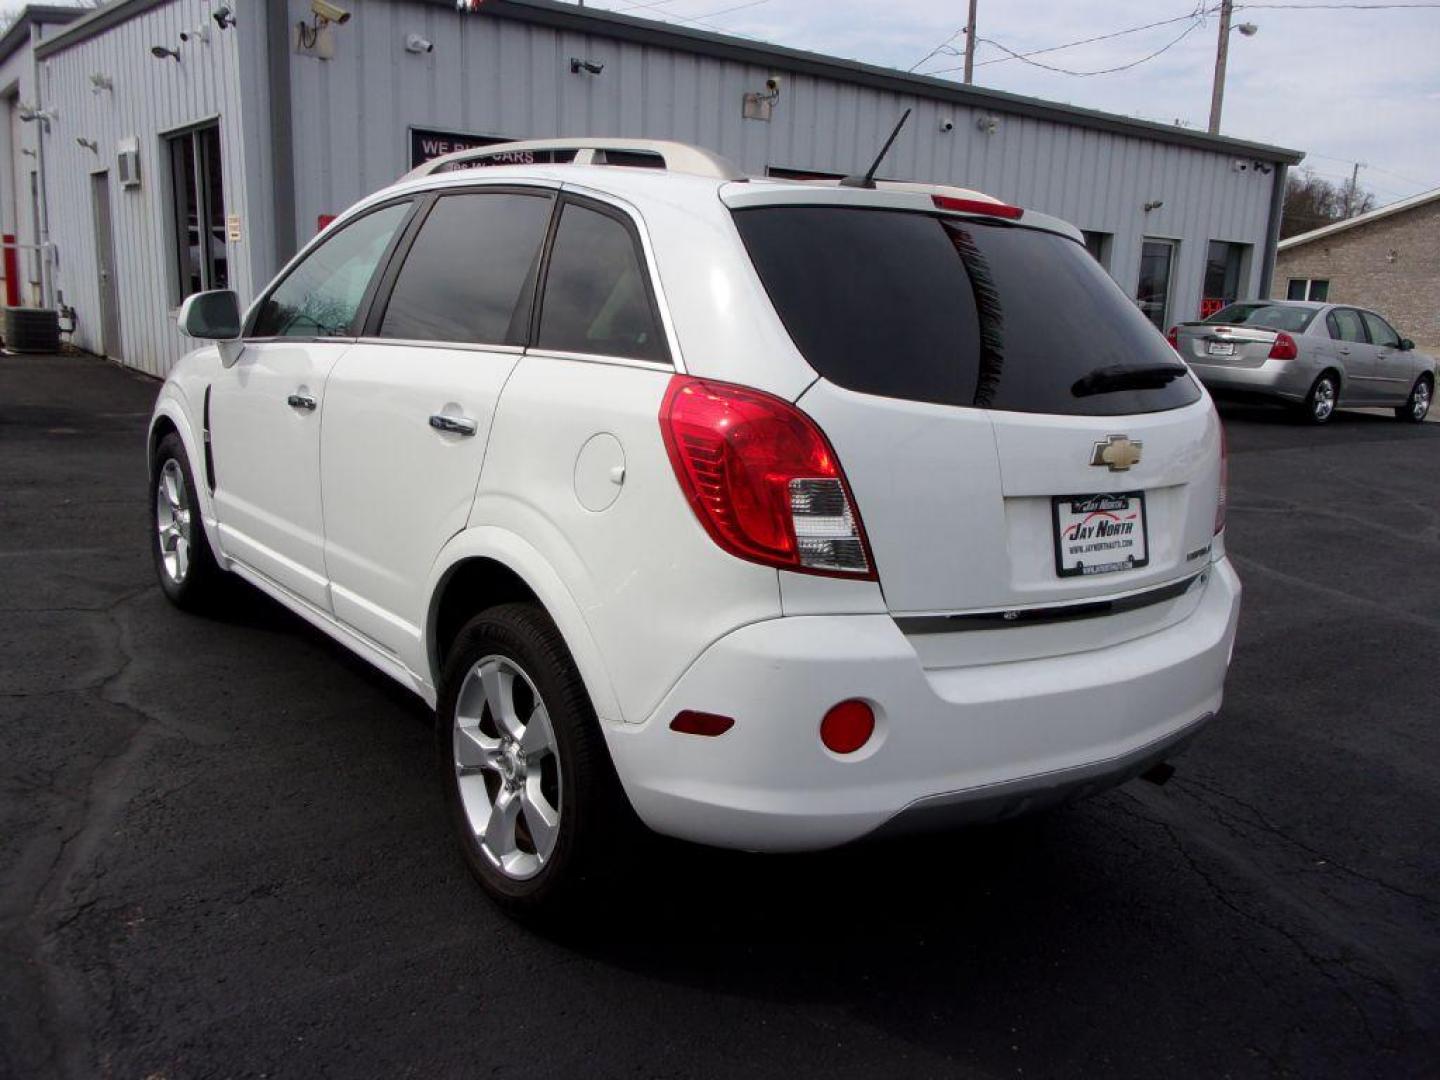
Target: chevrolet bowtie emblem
1117,452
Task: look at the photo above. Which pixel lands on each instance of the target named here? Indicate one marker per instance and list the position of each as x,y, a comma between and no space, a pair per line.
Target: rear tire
184,563
1418,403
1321,401
517,737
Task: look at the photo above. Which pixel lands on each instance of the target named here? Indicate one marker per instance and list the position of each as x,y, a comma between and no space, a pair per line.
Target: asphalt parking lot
222,852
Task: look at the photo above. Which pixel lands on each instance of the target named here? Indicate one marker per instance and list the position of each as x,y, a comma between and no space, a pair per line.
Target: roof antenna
868,180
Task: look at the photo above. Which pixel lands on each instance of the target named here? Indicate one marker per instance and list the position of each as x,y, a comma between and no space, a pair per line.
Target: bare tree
1311,202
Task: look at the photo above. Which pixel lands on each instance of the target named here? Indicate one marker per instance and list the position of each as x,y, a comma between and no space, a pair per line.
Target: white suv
782,513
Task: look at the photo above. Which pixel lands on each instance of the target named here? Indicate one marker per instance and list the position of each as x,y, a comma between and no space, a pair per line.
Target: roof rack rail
644,153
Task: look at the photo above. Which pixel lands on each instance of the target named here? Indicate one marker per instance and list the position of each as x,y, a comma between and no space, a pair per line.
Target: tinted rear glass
1265,317
958,312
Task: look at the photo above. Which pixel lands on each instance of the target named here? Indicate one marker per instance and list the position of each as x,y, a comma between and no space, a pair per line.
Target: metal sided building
198,143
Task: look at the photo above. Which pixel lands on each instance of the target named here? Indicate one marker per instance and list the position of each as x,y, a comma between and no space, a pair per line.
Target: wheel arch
487,565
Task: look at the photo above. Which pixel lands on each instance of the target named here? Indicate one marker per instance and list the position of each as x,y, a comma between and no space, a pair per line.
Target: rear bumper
967,743
1287,379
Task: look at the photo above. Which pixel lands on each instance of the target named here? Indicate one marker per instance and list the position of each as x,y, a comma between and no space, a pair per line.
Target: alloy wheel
507,767
1420,400
1324,399
173,521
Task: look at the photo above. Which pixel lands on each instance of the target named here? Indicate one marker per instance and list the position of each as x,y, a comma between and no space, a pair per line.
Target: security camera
328,12
1239,165
416,44
772,84
947,124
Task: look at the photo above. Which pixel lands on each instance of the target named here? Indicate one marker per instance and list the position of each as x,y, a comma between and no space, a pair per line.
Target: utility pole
42,126
970,45
1222,52
1350,191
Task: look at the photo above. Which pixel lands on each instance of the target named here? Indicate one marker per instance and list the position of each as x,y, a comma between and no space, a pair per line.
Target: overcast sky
1341,85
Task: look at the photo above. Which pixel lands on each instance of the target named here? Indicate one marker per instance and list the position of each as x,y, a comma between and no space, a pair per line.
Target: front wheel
1417,405
184,562
530,787
1320,403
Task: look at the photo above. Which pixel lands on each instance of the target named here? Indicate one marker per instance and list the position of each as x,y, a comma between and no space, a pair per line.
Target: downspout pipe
42,127
1272,233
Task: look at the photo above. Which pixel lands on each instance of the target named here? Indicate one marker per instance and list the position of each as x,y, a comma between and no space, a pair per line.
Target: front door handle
301,401
455,425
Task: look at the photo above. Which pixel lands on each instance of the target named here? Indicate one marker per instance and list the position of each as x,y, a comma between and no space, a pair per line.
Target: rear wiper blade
1106,380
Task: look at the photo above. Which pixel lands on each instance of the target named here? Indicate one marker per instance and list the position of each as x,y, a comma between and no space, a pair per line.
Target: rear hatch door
1015,432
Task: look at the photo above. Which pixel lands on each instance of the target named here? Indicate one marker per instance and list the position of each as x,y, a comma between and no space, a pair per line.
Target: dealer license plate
1220,348
1100,534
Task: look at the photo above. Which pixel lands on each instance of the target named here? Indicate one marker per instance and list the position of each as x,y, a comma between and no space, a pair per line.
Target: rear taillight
1284,347
1224,482
762,479
1173,337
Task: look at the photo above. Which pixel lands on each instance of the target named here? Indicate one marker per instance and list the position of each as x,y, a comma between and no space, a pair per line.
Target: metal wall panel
152,97
499,77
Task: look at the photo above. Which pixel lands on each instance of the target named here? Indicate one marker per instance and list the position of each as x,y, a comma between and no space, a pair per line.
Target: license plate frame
1102,510
1219,348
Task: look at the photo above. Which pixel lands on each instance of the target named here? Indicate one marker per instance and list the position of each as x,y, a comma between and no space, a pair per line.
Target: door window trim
323,237
649,277
376,303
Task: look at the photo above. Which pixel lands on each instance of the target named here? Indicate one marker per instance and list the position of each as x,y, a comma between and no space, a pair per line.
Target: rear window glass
959,312
1265,317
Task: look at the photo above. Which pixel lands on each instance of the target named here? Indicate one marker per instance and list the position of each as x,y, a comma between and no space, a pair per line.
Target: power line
1335,7
1102,71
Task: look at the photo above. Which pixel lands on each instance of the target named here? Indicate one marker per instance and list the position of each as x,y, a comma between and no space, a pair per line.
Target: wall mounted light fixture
160,52
414,43
88,144
100,82
223,16
590,67
1154,204
29,114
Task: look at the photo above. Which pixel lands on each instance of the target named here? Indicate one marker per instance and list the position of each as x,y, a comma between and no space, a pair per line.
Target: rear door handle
301,401
1343,352
455,425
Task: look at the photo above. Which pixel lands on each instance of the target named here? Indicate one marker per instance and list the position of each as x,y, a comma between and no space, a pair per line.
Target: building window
1308,289
1224,274
1152,292
197,187
1098,244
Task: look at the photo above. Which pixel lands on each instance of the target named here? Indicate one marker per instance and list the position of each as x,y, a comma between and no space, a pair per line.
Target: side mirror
1406,344
210,316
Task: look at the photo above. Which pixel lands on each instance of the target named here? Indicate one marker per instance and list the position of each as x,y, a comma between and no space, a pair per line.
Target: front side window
196,183
1381,332
1344,325
320,296
596,298
468,276
959,312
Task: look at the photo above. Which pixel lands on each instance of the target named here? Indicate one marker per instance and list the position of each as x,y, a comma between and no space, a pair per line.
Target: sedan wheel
172,522
1321,401
1418,404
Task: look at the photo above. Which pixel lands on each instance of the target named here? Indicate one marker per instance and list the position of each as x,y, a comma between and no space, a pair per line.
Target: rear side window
1265,317
959,312
1344,325
468,275
597,298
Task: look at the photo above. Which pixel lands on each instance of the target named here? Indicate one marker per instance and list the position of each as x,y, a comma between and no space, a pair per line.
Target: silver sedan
1316,357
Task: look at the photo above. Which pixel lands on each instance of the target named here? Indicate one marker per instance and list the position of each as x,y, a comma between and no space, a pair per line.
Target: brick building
1387,260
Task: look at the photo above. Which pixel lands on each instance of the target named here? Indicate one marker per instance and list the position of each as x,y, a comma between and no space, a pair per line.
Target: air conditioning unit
128,162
